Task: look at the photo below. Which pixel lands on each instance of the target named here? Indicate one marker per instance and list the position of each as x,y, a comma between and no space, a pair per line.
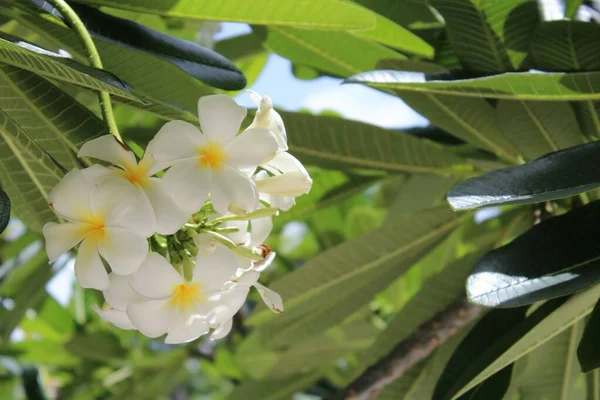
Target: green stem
78,26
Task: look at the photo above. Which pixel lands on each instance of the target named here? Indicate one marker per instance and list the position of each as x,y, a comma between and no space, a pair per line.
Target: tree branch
413,349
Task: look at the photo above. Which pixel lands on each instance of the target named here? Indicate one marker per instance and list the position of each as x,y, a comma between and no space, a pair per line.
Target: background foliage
374,252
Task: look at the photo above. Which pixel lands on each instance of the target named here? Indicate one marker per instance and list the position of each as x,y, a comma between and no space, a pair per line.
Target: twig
409,352
78,26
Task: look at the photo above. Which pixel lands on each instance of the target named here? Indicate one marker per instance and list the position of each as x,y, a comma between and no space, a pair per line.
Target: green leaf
554,176
420,192
337,53
315,14
538,265
49,116
476,346
333,142
538,328
345,277
273,389
572,7
435,295
4,210
472,120
27,174
413,14
488,36
239,47
97,346
170,99
593,385
389,33
536,128
493,388
577,86
568,46
589,349
551,371
22,54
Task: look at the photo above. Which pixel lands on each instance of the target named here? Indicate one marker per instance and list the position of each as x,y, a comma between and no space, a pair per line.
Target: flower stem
78,26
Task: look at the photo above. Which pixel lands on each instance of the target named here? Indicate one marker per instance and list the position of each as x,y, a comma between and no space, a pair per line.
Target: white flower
184,310
169,217
109,220
212,160
118,296
267,117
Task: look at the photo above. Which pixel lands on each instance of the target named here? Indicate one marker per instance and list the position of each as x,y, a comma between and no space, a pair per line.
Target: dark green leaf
97,346
22,54
554,176
4,210
556,257
494,334
200,62
493,388
588,351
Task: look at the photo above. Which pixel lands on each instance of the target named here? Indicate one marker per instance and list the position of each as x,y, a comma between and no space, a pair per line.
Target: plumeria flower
184,310
211,160
108,225
118,296
169,217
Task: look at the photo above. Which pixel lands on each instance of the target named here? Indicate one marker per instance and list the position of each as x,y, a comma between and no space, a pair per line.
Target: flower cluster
174,240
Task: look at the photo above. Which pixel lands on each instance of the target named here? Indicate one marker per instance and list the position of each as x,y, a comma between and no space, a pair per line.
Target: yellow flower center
212,155
185,294
94,227
137,174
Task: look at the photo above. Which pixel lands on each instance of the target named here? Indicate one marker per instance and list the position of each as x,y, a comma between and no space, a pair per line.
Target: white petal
242,236
248,278
284,162
115,317
251,148
119,293
186,328
222,330
282,203
206,244
260,229
220,117
232,186
156,278
263,264
97,173
129,209
152,318
108,148
169,217
153,165
255,97
124,250
70,198
291,184
61,237
230,303
177,140
271,298
89,269
215,269
188,184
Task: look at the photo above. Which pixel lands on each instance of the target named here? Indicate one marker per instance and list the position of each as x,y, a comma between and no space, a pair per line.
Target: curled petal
61,238
156,278
124,250
152,318
260,229
267,117
89,269
186,328
189,184
176,141
220,117
284,162
282,203
271,298
115,317
119,293
215,269
291,184
222,330
230,302
108,148
232,186
251,148
70,198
